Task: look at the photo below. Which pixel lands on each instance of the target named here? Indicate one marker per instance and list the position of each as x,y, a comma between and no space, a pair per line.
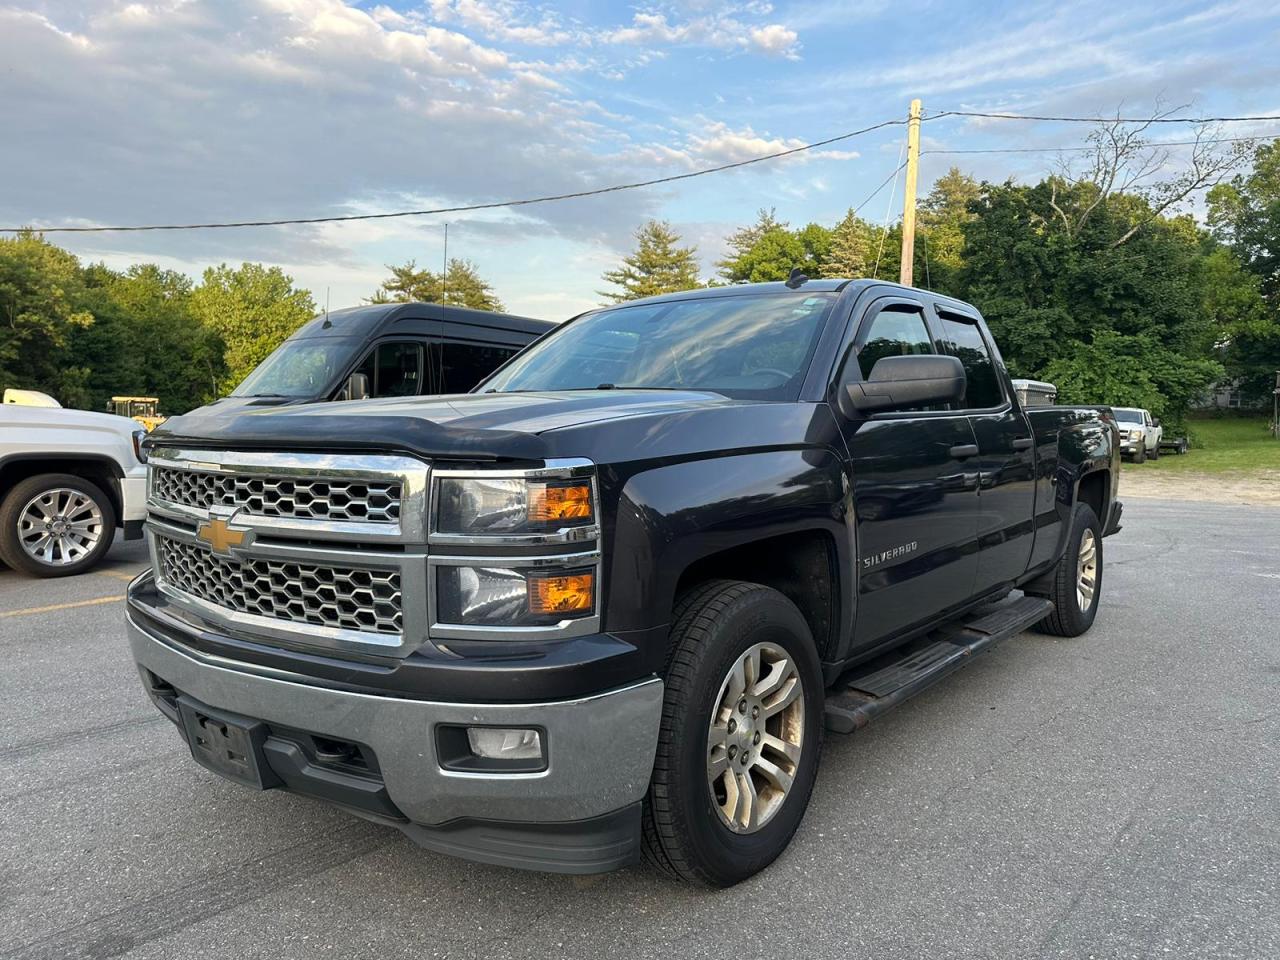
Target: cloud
721,29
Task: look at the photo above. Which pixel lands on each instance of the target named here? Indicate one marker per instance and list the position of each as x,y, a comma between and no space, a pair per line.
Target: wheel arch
99,469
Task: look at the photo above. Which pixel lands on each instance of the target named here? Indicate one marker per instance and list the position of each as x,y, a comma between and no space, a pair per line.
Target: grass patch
1231,445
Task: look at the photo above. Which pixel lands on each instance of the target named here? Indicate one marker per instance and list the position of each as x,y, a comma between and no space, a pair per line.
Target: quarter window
962,338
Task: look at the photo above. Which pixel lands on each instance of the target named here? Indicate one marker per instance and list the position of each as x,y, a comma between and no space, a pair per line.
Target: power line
475,206
1024,116
883,183
1154,143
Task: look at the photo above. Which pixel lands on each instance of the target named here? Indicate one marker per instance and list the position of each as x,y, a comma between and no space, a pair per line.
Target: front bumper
580,814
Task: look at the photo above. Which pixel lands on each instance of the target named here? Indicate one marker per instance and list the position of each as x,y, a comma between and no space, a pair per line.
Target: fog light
505,743
570,594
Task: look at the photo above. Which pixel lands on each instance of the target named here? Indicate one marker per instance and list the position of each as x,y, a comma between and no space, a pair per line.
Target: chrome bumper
600,748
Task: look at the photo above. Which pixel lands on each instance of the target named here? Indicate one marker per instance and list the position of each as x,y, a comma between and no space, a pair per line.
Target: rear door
1006,456
914,495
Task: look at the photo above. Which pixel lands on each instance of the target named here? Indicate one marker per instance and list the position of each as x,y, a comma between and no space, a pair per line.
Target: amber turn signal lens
551,504
571,594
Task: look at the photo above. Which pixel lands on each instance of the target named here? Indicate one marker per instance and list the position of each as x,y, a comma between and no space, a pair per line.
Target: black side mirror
1155,421
900,383
357,387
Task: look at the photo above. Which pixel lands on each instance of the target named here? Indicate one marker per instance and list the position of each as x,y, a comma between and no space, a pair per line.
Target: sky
187,111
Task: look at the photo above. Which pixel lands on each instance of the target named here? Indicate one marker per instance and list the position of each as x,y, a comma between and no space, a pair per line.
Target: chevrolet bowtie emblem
217,533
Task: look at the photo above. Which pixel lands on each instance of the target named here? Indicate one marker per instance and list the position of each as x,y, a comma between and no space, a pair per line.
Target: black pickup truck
608,602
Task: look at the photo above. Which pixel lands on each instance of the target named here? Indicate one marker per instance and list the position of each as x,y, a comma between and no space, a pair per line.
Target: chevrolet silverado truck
606,604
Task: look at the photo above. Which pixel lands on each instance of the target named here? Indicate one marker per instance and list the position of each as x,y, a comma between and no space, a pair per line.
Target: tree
658,265
852,248
461,287
1245,215
778,250
943,214
251,309
744,238
145,340
1067,303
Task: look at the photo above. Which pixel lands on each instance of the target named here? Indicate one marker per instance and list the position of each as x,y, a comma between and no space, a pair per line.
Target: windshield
299,368
747,347
1128,416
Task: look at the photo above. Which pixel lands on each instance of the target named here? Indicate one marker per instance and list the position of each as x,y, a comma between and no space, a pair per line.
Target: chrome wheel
755,738
1086,570
60,527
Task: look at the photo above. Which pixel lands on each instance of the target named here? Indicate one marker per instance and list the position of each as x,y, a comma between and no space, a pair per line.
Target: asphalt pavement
1115,795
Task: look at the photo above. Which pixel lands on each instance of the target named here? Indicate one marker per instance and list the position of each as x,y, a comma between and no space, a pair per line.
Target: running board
865,695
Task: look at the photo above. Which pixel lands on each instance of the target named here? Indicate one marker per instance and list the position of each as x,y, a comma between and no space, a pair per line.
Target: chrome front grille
296,497
349,597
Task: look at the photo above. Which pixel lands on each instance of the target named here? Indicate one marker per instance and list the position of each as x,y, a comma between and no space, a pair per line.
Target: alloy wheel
60,527
1086,570
755,737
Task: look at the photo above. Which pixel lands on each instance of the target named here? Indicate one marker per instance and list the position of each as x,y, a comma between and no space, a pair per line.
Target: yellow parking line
124,575
60,606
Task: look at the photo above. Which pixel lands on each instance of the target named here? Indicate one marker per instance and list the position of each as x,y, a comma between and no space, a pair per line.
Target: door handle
1024,443
964,450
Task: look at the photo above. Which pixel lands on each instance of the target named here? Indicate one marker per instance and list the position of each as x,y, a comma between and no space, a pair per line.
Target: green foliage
462,286
1245,214
657,266
251,309
939,253
776,251
852,248
41,308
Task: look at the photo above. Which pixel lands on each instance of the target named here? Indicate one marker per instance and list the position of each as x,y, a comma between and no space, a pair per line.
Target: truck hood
62,419
462,426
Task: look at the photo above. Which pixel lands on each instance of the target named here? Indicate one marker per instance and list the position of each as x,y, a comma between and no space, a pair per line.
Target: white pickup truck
1140,433
68,480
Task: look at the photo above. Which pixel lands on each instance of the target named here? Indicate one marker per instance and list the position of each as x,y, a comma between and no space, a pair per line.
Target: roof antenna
326,325
796,279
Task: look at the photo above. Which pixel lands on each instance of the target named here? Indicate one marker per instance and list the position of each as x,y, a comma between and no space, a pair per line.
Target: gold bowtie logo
218,534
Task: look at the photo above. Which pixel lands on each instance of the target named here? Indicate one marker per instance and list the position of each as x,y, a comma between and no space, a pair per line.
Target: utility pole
444,273
909,196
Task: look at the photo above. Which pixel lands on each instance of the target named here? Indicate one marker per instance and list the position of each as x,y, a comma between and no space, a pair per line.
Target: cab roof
368,320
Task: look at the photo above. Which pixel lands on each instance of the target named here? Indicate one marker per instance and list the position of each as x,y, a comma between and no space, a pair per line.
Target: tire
1069,617
687,814
1155,452
1140,455
83,544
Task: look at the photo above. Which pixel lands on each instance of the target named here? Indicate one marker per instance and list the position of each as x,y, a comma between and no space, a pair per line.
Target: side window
399,370
463,365
893,333
962,338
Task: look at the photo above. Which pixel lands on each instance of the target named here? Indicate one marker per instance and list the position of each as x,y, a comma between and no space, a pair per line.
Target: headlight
478,508
507,596
1135,434
515,553
139,448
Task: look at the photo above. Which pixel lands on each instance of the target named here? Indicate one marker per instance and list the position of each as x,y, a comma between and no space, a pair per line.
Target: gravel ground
1116,795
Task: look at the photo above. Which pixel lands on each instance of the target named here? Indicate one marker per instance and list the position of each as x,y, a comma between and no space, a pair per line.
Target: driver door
915,500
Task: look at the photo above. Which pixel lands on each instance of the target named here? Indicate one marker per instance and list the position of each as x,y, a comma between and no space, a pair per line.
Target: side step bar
865,695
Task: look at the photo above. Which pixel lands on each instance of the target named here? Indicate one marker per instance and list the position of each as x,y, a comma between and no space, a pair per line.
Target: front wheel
55,525
1154,453
1075,583
741,731
1140,454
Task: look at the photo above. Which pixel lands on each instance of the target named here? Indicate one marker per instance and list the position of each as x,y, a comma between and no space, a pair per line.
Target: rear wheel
55,525
741,731
1075,584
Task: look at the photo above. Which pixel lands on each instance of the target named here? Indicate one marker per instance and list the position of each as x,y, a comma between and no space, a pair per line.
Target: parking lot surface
1116,795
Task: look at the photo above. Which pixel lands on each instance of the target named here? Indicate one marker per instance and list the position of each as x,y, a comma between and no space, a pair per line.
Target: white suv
68,480
1140,433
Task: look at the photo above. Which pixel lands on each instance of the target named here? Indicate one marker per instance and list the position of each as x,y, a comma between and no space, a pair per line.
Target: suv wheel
741,732
55,525
1075,583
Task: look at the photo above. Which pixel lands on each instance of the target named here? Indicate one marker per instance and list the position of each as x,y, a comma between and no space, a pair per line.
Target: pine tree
657,266
852,248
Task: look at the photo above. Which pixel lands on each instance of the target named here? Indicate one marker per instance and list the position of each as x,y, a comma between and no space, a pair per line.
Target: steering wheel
774,370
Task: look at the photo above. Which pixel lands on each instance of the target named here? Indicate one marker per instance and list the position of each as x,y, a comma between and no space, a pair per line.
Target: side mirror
1155,421
901,383
357,387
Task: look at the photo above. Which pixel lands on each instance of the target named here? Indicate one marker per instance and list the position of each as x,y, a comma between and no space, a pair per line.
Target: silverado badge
217,532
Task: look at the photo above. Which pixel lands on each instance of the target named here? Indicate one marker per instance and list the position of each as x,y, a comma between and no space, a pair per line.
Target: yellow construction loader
142,409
